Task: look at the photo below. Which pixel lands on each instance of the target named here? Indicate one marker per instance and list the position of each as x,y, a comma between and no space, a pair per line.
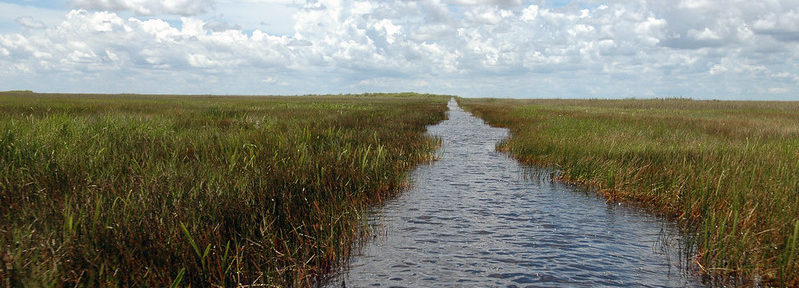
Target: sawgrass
729,170
159,190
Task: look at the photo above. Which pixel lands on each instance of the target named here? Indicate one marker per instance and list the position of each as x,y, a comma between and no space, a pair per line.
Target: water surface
472,219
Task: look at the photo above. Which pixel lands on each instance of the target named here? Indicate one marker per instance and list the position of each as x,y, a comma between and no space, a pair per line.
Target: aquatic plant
728,170
159,190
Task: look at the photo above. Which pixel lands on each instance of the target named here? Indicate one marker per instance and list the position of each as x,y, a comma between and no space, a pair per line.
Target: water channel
474,218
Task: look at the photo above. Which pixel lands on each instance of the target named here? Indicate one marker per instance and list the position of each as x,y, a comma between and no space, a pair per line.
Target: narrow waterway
475,219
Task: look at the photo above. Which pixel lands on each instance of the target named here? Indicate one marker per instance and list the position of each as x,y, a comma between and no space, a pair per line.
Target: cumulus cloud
694,48
93,42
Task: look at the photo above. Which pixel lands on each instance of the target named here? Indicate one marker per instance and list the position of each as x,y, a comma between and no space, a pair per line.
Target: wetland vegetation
728,170
159,190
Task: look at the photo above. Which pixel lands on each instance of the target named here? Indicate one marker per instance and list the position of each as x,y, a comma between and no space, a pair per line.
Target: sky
699,49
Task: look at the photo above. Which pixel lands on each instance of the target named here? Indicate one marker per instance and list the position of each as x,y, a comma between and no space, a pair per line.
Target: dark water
472,219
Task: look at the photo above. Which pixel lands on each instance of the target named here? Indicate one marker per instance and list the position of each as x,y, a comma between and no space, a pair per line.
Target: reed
146,190
729,170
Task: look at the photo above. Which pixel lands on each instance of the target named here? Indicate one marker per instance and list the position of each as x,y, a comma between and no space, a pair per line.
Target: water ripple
472,219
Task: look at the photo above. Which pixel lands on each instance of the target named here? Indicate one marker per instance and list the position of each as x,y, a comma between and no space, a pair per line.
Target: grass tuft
138,190
729,170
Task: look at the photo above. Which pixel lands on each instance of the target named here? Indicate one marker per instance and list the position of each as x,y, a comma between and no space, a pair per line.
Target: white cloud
706,34
716,69
103,40
778,90
387,29
15,16
30,22
501,3
147,7
696,48
269,80
530,13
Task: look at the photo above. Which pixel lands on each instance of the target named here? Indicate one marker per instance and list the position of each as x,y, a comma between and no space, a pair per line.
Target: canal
477,218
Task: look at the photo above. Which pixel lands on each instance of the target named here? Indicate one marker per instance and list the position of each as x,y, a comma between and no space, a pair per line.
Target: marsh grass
137,190
729,170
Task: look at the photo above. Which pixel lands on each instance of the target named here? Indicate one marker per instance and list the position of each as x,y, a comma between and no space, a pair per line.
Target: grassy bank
136,190
728,169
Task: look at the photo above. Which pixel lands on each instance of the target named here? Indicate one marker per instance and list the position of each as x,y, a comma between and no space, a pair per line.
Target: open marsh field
476,218
133,190
728,170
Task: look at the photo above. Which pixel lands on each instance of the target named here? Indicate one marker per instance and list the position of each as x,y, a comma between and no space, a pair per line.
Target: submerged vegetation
730,170
137,190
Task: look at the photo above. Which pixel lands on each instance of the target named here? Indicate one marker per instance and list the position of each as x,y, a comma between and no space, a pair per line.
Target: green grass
138,190
729,170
